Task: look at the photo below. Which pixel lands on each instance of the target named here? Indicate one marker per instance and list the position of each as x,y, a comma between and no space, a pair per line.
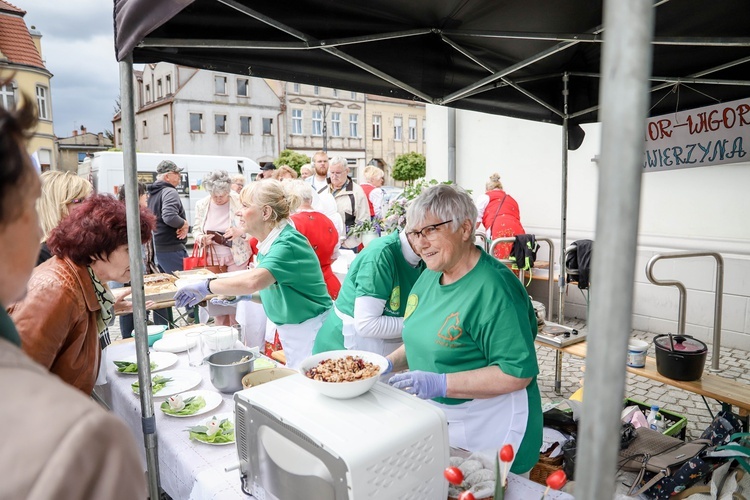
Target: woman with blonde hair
61,192
373,188
285,173
287,278
499,214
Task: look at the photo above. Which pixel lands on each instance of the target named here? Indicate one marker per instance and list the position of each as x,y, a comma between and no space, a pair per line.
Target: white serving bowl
342,390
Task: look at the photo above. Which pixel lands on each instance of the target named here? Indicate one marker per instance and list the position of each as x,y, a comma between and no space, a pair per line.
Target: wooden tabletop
726,390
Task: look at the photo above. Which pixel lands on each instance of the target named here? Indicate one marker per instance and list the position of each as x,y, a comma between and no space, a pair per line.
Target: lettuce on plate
157,383
130,367
215,432
192,405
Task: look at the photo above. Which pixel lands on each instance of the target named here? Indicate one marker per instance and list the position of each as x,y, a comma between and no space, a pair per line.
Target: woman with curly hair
63,319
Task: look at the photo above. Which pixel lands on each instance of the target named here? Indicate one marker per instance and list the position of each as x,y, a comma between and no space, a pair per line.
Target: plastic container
637,353
651,419
674,423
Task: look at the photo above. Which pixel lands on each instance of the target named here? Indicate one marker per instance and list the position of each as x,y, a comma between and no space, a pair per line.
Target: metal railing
682,304
522,273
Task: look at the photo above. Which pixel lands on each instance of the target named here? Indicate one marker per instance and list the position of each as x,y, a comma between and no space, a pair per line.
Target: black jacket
164,202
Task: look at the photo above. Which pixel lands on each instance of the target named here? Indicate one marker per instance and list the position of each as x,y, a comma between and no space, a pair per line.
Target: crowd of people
455,324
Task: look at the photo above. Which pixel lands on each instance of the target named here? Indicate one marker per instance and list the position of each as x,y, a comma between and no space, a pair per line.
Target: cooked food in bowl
348,369
343,374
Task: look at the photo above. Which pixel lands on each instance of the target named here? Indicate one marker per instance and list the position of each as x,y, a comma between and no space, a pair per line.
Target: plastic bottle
651,419
659,422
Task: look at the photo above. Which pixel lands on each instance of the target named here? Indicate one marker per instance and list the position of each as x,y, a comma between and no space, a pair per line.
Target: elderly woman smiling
469,330
287,277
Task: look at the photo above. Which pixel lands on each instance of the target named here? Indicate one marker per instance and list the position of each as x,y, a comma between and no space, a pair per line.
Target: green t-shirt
299,292
483,319
379,271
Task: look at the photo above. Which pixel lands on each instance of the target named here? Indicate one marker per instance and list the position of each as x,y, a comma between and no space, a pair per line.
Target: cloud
78,49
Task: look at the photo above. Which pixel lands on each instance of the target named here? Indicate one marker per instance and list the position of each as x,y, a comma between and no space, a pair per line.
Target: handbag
195,261
210,260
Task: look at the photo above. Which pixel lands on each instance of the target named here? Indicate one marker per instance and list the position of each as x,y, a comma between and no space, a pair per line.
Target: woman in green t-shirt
469,330
288,276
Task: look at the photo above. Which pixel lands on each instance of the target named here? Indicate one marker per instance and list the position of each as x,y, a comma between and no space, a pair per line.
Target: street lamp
325,126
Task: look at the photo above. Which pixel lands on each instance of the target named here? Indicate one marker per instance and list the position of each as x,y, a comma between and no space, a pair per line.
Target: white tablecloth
195,471
187,469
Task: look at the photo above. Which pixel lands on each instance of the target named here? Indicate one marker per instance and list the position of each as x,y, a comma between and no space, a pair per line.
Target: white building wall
696,209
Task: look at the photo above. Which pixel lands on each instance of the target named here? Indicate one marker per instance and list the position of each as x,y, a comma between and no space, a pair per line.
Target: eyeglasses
76,201
428,232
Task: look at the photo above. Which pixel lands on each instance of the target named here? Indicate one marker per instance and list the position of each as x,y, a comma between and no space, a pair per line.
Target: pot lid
680,343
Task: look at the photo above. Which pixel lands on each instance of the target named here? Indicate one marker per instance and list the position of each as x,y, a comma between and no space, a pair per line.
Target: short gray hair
338,160
299,188
217,182
444,201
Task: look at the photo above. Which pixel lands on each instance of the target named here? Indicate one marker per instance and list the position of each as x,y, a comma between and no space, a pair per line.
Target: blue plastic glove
218,301
191,294
425,385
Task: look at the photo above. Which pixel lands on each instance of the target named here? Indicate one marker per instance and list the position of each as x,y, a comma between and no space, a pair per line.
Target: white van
105,171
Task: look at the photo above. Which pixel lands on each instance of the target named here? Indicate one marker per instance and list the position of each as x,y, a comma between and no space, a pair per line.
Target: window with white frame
397,128
168,83
8,95
148,93
295,88
245,125
267,126
243,87
336,124
412,130
335,93
145,129
165,123
220,124
424,129
220,85
316,90
376,126
297,121
354,95
353,125
196,123
317,123
42,102
159,89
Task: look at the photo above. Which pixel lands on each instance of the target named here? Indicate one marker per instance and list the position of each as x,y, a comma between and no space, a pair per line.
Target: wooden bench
725,390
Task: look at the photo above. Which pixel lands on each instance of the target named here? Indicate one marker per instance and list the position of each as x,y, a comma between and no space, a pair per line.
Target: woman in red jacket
499,214
319,231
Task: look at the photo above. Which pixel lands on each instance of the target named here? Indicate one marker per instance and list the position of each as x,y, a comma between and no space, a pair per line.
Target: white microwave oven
296,444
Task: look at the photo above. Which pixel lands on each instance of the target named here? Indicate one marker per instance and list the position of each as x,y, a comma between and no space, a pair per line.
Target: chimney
100,138
83,130
75,133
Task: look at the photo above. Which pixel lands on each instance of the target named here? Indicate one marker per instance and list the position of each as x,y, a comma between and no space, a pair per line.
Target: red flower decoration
454,475
557,479
466,495
506,453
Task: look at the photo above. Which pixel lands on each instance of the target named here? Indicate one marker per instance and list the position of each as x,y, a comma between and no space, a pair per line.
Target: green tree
291,158
409,167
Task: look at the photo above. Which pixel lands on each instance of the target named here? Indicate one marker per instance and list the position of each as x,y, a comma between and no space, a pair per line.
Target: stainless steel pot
226,369
541,312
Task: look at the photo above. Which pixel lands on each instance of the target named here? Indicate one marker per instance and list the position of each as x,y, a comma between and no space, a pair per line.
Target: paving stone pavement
735,362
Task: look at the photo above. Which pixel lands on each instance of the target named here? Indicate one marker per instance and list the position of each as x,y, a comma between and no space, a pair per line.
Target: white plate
219,417
212,398
182,380
163,361
174,342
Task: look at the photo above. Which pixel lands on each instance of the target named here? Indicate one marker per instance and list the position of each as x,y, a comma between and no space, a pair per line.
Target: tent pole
452,144
624,94
127,112
563,229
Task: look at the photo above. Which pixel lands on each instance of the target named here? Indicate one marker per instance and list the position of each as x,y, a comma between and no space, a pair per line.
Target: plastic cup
194,348
225,338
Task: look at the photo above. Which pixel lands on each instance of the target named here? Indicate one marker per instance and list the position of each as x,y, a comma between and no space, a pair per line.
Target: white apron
252,317
370,344
298,340
488,424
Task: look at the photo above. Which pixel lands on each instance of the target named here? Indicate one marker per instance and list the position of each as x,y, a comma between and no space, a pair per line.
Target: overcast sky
78,49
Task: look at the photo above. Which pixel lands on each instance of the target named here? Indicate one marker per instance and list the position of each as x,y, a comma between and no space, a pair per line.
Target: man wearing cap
267,171
171,222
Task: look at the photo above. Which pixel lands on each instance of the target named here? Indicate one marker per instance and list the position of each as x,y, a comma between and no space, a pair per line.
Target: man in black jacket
171,222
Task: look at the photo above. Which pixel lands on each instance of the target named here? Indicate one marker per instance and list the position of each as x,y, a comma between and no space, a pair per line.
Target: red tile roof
15,41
